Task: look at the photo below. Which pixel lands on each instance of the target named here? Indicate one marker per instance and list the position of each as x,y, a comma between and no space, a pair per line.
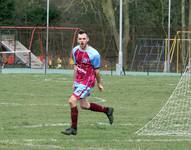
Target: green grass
34,109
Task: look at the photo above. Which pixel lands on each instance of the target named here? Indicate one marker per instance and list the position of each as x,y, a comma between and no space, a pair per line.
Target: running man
86,73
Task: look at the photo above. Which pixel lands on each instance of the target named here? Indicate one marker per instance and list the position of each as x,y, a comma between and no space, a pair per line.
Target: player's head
83,38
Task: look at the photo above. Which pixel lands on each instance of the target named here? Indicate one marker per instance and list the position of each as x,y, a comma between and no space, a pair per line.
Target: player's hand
100,87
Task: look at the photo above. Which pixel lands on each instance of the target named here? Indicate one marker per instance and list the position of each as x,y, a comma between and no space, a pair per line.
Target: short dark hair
82,32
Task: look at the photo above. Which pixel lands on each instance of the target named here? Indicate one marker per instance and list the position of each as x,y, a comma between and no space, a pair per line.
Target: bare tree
126,30
183,29
189,27
109,12
108,9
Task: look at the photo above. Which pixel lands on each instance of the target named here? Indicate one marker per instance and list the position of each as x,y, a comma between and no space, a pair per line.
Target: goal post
14,59
180,50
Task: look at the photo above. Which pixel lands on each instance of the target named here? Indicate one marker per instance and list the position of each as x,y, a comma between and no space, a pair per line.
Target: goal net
15,59
175,116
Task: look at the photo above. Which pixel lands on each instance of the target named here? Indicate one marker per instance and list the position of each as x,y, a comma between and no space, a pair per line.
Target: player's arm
75,66
74,77
98,78
75,70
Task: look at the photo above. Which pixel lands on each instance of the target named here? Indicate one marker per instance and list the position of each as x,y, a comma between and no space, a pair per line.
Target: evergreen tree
7,8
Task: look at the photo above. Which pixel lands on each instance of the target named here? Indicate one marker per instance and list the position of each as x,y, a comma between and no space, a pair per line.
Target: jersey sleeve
96,61
73,54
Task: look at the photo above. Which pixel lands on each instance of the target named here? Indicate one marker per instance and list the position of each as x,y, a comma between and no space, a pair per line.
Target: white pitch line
159,140
38,145
65,124
19,104
120,124
57,80
40,140
99,100
29,144
43,125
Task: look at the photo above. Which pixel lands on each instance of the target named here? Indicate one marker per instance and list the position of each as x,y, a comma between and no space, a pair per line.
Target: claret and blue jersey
86,61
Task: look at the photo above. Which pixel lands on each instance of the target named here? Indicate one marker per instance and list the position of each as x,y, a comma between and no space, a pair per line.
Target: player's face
83,40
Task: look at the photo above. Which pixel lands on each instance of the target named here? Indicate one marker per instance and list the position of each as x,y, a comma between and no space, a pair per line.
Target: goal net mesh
15,58
175,116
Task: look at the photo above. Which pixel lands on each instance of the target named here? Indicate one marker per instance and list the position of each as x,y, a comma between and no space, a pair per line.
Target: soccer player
86,73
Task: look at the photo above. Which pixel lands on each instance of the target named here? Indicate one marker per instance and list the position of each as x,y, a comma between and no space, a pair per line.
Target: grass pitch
34,109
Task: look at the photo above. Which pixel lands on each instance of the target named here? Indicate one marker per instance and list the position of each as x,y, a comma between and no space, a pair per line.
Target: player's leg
77,93
84,104
74,117
91,106
74,111
107,110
